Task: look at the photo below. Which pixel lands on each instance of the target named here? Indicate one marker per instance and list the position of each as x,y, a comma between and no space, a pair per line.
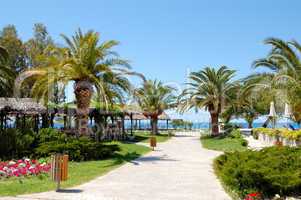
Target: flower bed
22,168
272,136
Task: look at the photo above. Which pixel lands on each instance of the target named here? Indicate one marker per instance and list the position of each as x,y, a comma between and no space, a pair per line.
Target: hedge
283,132
273,170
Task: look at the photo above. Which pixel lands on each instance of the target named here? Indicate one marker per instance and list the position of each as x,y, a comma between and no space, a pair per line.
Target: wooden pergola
136,117
21,108
110,123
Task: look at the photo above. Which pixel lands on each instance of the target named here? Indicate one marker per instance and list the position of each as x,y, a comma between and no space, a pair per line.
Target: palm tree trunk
214,123
250,124
83,91
154,125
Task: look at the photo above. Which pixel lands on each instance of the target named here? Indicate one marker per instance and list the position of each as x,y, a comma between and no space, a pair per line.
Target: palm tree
245,103
210,89
284,76
91,65
153,98
6,74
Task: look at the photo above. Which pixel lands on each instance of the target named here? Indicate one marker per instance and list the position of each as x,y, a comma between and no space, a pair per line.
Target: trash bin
59,168
153,142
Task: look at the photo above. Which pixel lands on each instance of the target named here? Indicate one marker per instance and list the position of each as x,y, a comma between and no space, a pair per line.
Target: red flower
253,196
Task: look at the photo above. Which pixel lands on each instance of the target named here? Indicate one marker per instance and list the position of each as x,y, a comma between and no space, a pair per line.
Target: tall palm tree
210,89
6,74
153,98
90,64
284,75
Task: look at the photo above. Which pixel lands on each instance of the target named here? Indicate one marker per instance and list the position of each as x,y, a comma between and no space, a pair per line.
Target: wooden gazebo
136,117
20,108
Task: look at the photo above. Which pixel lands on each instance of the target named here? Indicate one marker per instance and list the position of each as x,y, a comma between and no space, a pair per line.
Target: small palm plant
93,66
154,98
210,89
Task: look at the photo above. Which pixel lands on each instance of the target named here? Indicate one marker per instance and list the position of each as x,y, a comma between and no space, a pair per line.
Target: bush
78,149
274,170
235,133
50,134
283,132
15,144
243,142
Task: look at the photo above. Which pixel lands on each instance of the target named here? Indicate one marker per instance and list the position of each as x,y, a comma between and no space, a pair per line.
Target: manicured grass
79,172
144,136
225,144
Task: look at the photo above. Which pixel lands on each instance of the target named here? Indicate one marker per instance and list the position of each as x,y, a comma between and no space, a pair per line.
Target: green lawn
225,144
79,172
143,136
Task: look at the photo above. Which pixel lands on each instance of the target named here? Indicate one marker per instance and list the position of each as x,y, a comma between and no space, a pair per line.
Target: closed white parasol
273,114
287,111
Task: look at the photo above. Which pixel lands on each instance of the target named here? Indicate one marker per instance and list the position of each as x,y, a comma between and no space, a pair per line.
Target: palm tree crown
153,98
92,66
208,88
284,77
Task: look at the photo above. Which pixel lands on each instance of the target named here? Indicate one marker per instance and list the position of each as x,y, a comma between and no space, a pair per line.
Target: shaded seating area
104,124
139,122
21,113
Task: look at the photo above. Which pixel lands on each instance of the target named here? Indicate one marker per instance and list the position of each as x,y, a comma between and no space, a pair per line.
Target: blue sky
165,39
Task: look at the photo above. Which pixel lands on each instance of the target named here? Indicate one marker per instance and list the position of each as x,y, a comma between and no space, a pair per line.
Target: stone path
179,169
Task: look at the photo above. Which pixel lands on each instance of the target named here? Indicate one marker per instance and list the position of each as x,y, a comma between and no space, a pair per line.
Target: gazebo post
52,115
122,124
139,124
131,117
167,124
36,123
1,119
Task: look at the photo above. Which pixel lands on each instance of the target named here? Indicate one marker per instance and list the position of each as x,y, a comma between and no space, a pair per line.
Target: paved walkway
179,169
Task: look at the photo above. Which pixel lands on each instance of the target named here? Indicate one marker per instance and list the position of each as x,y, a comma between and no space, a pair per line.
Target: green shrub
274,170
235,133
243,142
50,134
16,144
78,149
289,134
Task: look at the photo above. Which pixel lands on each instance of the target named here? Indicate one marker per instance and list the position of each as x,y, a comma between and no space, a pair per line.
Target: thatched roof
21,105
140,116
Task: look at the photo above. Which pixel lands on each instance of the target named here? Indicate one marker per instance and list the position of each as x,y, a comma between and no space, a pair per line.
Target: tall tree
86,62
210,89
5,73
153,98
13,44
284,75
38,45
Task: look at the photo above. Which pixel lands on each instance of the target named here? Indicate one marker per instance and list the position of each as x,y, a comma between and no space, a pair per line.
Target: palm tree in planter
93,66
210,89
153,98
